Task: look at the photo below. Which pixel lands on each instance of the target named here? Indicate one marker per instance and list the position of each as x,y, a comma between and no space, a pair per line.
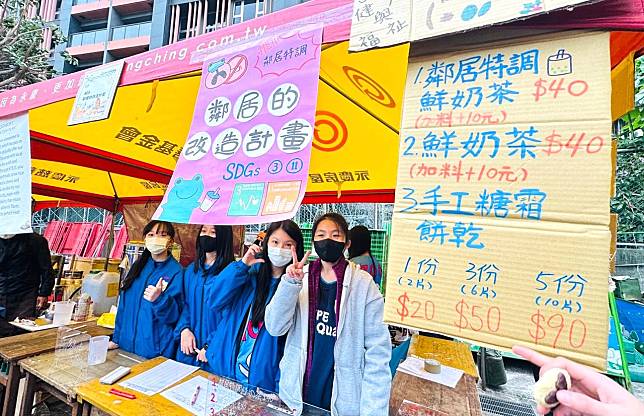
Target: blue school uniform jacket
146,328
231,297
196,314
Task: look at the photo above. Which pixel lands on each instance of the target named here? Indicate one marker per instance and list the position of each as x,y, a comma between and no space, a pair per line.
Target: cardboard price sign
501,223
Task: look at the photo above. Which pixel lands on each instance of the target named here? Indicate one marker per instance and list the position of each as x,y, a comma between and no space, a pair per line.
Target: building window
192,19
245,10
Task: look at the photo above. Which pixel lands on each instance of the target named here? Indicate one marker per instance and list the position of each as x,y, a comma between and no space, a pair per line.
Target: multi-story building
102,31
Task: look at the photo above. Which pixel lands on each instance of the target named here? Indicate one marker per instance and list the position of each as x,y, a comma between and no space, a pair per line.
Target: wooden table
60,379
462,400
19,347
96,395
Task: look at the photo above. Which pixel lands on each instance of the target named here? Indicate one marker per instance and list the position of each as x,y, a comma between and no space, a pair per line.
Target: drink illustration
209,200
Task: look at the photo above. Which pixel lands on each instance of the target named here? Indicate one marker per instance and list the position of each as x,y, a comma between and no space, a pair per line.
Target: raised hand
296,269
591,393
152,293
249,258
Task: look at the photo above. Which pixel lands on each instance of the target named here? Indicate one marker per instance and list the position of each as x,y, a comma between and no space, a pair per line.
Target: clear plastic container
63,313
98,350
103,288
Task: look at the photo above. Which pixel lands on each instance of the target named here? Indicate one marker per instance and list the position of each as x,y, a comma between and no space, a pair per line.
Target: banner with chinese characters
380,23
247,155
96,94
15,180
501,223
435,18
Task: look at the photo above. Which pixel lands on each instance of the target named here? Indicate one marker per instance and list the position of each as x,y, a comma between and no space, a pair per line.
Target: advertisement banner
247,155
15,176
500,233
96,94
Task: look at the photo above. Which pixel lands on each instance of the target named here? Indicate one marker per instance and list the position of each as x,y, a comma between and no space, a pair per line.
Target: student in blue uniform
241,348
338,349
151,297
197,323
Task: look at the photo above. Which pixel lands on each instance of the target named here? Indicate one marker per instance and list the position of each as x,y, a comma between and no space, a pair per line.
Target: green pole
620,339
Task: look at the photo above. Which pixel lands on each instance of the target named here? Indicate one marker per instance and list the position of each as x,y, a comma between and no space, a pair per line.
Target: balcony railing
77,2
89,38
131,31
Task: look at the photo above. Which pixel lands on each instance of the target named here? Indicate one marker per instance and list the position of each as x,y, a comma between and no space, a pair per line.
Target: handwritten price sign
420,310
501,224
479,317
555,330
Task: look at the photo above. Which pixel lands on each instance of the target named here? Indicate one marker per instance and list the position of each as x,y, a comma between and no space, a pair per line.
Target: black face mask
329,250
208,243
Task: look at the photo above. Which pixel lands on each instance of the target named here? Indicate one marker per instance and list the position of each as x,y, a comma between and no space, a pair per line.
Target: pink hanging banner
247,156
184,56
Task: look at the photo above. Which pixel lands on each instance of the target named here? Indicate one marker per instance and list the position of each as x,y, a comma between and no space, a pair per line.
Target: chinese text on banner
435,18
15,177
379,23
96,94
501,223
247,156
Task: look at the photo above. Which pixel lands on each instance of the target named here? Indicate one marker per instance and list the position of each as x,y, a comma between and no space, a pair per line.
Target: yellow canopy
90,186
354,149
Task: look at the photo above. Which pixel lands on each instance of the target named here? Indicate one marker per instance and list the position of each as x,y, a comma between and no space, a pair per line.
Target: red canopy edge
86,199
358,196
46,147
79,198
40,205
99,201
609,15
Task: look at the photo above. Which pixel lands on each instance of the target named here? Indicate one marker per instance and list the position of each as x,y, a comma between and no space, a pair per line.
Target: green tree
629,182
23,59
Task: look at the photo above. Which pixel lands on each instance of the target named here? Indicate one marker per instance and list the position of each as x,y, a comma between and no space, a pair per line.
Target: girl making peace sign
338,348
241,348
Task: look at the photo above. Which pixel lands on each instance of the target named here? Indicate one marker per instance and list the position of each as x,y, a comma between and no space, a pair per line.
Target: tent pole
110,241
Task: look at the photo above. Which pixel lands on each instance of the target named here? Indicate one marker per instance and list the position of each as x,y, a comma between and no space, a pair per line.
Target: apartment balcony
90,9
128,7
88,46
129,39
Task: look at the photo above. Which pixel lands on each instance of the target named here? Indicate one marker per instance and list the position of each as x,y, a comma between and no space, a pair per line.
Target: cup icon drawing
209,200
560,64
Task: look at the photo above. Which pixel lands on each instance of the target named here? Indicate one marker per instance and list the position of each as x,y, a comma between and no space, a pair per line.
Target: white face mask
156,245
279,257
7,236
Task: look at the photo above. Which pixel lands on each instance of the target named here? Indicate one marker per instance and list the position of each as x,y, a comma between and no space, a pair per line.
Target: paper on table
159,378
183,394
219,398
448,376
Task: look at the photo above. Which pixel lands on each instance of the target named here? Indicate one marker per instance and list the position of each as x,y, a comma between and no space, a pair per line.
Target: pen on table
195,396
122,394
74,335
130,358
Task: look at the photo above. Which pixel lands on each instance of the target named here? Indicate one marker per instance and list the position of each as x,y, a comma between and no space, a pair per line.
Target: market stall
364,146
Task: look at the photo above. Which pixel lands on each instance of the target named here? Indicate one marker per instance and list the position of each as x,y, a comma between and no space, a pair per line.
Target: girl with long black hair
360,252
214,252
151,297
337,349
241,348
